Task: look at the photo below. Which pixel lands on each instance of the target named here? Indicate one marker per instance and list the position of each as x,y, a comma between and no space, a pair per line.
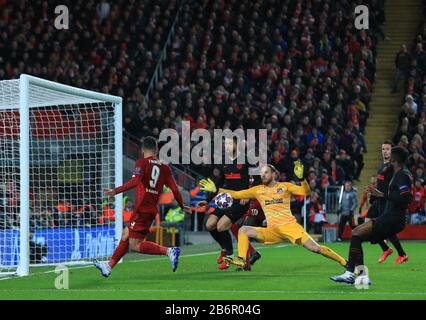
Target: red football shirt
149,177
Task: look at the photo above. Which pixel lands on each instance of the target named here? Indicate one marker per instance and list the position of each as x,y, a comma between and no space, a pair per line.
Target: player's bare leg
356,256
119,252
312,246
148,247
211,222
223,226
137,245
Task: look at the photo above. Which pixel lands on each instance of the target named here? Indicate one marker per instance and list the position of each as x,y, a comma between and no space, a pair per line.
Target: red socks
148,247
119,252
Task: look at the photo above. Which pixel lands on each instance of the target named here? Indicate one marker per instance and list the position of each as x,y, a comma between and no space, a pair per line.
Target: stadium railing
158,73
331,199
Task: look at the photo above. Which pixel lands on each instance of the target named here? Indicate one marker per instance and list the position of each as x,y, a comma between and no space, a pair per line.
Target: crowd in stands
299,69
411,67
64,213
110,46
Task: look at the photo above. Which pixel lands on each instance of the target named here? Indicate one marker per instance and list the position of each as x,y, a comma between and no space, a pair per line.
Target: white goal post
60,146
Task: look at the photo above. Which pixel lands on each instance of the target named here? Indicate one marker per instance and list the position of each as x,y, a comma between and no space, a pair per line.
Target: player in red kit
149,177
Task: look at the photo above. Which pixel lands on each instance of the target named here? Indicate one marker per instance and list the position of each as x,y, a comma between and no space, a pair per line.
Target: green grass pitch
283,272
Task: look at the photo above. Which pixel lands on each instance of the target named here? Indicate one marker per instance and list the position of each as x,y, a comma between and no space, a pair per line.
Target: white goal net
60,146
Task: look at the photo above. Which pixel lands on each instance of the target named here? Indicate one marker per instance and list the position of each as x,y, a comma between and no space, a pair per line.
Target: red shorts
255,210
139,224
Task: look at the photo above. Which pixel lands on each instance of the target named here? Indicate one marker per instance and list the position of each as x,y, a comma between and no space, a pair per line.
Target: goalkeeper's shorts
292,232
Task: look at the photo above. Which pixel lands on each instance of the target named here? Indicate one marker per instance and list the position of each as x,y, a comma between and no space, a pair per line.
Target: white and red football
224,200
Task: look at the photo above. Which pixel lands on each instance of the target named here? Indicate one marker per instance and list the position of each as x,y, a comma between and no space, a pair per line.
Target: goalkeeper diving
274,198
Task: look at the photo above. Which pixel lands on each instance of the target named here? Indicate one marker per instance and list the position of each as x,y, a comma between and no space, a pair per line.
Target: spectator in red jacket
418,203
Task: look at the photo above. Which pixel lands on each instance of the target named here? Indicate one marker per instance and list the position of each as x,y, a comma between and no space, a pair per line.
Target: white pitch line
89,265
362,292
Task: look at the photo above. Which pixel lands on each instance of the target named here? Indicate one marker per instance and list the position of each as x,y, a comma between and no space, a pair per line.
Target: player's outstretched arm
242,194
302,190
133,182
210,186
109,192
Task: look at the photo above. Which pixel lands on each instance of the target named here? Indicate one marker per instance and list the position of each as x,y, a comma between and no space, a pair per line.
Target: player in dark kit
387,224
384,176
236,177
149,177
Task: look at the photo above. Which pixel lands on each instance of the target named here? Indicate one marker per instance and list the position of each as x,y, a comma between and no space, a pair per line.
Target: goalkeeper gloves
298,169
207,185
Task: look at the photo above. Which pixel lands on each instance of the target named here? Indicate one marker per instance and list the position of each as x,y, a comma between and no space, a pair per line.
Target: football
362,282
223,200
